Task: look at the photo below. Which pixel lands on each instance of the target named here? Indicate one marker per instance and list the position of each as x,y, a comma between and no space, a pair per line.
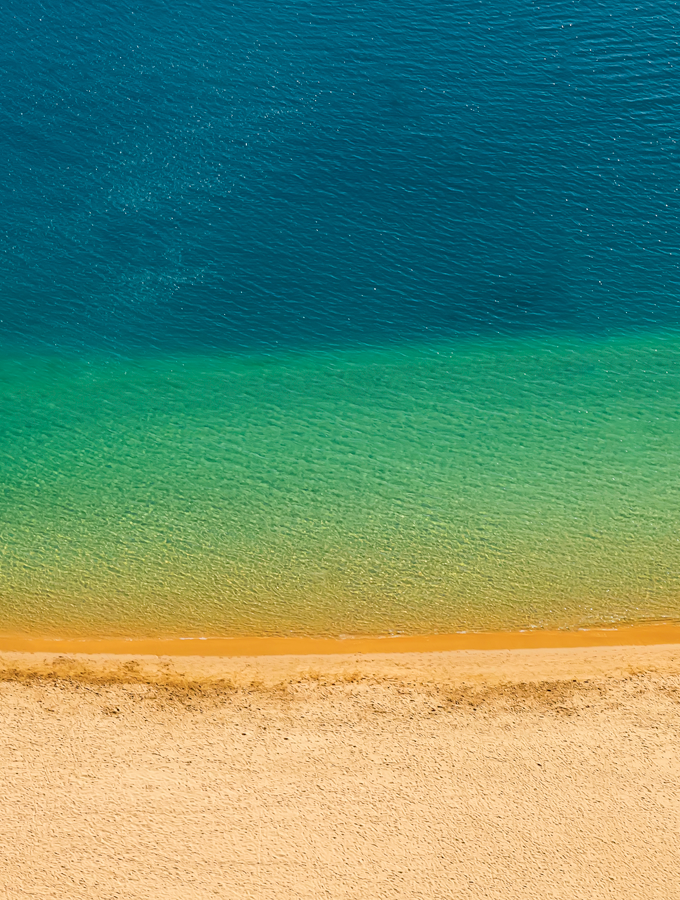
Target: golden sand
503,774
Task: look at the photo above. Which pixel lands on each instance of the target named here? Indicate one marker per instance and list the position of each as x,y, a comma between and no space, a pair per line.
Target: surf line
629,635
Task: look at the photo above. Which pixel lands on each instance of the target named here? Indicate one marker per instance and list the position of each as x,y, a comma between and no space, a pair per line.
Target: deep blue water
254,174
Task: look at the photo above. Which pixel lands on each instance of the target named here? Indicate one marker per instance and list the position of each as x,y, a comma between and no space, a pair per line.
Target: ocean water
337,318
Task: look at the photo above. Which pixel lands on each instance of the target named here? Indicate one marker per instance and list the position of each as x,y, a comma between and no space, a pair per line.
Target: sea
338,318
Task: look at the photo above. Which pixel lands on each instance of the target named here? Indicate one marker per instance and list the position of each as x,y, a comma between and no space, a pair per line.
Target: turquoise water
338,318
469,486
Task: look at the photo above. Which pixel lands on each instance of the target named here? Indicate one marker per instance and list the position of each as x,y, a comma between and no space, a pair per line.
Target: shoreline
626,636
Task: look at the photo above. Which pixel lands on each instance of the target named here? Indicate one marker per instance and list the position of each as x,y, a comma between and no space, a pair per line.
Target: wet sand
538,639
546,773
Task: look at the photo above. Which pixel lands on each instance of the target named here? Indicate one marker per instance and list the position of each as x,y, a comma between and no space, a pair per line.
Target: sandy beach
542,773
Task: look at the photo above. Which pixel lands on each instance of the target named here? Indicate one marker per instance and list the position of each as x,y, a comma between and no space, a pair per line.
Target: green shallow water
469,486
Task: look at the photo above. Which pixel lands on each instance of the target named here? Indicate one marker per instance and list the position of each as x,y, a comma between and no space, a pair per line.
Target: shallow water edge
634,635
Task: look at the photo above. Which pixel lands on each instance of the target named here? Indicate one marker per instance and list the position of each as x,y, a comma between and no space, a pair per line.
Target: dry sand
514,774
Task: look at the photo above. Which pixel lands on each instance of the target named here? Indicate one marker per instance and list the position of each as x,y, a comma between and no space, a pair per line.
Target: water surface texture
338,319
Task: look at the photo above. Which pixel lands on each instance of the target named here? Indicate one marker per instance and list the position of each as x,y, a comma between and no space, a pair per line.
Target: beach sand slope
542,774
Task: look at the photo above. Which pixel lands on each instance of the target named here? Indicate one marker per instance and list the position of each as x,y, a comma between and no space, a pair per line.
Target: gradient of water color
483,485
326,319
